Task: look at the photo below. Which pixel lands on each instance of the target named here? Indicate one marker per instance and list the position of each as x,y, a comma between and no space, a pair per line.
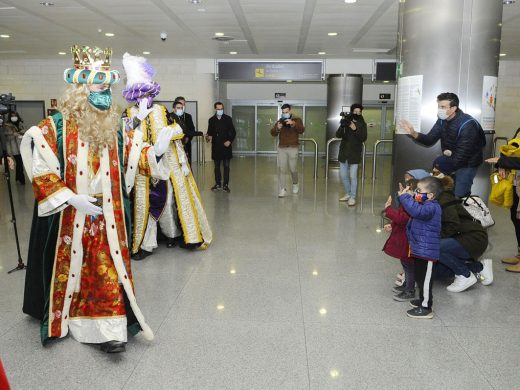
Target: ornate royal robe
191,215
79,278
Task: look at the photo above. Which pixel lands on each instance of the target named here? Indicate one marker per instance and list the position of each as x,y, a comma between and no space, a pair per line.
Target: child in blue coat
424,235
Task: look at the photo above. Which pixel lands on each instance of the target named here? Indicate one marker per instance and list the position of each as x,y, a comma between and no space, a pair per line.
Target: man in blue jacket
462,140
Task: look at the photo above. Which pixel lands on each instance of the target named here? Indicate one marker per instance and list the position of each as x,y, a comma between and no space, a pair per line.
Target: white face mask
179,112
14,119
220,112
442,113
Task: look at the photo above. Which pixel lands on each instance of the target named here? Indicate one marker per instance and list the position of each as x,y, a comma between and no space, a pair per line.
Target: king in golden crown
91,66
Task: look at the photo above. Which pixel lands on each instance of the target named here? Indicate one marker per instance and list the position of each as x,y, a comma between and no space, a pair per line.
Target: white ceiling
261,28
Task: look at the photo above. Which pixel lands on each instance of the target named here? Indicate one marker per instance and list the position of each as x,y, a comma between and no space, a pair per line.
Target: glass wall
244,120
316,126
265,120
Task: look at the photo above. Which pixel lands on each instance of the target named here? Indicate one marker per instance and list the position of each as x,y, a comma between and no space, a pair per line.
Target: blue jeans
457,259
464,180
348,174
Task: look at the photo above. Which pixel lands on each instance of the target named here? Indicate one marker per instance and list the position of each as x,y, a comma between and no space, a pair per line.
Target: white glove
143,110
163,141
84,204
185,170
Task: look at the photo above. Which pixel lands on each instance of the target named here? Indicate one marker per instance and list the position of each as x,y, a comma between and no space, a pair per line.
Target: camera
284,123
163,36
7,104
346,118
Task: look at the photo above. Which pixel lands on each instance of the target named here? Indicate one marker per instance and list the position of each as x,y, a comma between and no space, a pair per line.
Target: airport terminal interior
294,290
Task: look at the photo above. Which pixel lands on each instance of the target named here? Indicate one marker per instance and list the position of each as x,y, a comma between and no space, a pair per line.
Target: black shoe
226,188
113,347
141,255
171,243
420,313
399,289
405,296
216,187
415,303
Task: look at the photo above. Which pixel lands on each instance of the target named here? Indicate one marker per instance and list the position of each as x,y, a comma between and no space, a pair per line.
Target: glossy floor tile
293,293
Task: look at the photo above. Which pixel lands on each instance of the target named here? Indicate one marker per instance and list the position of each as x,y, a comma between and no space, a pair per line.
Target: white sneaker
295,188
282,193
462,283
344,199
351,201
486,275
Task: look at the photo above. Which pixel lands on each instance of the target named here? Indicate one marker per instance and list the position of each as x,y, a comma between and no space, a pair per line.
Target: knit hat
139,83
444,164
418,174
91,66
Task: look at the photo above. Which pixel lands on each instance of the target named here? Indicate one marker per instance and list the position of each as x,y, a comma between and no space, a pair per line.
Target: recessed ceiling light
4,8
46,3
5,36
109,34
322,53
332,34
219,34
146,52
233,52
195,1
350,1
62,53
289,81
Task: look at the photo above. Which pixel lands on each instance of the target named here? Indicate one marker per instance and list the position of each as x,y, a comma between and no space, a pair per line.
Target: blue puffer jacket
463,135
424,228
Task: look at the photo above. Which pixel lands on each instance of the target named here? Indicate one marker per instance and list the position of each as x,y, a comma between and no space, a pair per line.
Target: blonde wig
96,127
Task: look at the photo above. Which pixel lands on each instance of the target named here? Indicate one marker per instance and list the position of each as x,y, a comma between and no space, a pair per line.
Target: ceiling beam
380,11
308,12
242,22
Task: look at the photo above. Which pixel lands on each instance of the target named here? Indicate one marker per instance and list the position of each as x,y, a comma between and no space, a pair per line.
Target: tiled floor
294,293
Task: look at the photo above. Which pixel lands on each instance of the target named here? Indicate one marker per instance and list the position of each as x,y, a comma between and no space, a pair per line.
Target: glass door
373,119
244,120
316,125
266,117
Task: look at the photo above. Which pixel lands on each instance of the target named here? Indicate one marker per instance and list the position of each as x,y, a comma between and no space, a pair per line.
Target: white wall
43,80
508,99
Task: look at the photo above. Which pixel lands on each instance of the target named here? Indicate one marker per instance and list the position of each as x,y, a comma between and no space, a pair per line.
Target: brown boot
512,260
514,268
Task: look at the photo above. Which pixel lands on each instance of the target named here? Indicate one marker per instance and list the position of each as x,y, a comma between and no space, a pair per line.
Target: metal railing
362,190
374,167
327,155
201,149
315,153
495,144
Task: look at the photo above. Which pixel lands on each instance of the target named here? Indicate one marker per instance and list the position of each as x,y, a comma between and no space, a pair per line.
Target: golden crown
91,58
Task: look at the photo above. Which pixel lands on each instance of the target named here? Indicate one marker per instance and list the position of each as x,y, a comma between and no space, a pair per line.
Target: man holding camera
353,132
288,129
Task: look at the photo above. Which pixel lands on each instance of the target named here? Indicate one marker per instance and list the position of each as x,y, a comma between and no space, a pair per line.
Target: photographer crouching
353,132
288,129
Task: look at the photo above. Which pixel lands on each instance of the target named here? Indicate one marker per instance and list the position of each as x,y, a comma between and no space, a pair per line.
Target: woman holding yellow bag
508,165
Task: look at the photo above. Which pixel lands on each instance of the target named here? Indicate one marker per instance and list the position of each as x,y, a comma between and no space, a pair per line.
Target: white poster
409,102
489,98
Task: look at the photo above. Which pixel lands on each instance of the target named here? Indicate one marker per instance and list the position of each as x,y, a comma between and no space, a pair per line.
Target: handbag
502,190
476,207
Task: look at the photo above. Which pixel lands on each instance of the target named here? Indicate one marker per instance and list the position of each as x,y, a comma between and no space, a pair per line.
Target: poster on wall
408,102
489,102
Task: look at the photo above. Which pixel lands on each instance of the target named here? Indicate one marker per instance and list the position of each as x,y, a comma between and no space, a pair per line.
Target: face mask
14,119
179,112
101,100
421,197
442,113
286,115
220,112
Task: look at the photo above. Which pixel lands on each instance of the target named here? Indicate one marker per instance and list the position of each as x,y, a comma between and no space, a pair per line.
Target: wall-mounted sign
270,71
384,96
278,95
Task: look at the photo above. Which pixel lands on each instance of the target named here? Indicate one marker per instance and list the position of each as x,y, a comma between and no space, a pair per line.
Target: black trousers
516,221
424,279
19,169
218,175
187,150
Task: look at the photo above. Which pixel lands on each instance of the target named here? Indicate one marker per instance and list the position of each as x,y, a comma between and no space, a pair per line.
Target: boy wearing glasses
424,235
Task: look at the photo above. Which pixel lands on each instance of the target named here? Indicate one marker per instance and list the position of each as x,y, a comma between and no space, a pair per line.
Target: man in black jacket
185,121
222,132
462,140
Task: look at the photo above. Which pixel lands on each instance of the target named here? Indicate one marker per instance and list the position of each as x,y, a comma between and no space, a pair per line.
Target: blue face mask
101,100
220,112
179,112
286,115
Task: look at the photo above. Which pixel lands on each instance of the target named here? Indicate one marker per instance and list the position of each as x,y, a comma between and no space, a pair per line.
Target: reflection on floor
294,293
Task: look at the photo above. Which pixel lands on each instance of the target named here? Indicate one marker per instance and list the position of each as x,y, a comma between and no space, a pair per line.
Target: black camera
7,104
284,123
346,119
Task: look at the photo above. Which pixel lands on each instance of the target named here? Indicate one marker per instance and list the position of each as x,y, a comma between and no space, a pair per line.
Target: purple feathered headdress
139,83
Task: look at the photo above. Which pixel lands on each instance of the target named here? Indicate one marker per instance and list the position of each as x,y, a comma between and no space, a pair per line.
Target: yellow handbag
512,149
501,190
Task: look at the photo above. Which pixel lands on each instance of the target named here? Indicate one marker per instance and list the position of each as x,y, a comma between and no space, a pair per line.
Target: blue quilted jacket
424,228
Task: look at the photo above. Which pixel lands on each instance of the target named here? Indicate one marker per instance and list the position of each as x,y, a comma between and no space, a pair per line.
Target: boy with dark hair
424,235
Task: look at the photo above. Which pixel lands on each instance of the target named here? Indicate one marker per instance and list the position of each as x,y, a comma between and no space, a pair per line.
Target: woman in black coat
222,133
